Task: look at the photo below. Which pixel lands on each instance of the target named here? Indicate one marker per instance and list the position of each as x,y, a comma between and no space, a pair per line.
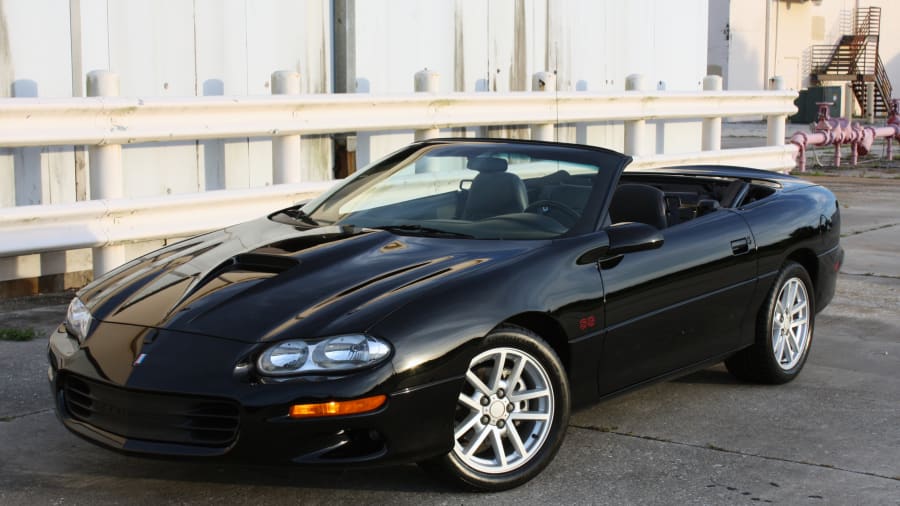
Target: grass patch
17,334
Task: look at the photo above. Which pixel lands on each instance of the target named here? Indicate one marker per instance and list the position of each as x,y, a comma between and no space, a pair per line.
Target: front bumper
830,264
185,400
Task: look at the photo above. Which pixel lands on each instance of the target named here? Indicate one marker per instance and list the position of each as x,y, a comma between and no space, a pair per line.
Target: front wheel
784,331
511,413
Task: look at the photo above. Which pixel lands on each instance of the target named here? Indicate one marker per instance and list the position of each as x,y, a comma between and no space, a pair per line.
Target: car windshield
474,189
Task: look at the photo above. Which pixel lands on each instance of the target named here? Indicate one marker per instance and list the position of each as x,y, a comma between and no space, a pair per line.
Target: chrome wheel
504,412
790,324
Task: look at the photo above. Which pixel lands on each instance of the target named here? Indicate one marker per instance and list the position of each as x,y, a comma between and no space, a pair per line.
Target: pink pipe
803,139
838,131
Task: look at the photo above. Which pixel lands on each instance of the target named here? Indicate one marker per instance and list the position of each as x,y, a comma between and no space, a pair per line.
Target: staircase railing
855,58
883,82
865,24
854,55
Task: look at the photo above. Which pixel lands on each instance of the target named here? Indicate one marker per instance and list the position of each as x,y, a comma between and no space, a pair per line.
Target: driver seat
639,203
494,191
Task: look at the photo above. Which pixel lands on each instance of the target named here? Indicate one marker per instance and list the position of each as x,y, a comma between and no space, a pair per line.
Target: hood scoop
261,262
251,262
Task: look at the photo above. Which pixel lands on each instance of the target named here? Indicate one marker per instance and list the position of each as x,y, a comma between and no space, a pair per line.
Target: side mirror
623,238
630,237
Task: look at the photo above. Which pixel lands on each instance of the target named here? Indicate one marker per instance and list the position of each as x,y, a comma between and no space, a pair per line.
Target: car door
680,304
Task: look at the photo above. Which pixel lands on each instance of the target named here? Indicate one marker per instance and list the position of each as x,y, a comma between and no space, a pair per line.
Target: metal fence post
426,81
775,124
106,180
545,82
712,127
286,166
635,130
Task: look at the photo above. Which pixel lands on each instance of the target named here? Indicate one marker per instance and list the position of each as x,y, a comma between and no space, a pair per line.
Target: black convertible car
449,305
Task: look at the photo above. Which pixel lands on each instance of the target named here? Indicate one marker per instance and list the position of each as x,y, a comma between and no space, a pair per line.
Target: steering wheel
546,207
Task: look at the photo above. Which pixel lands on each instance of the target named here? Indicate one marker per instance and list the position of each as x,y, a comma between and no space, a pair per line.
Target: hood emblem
140,360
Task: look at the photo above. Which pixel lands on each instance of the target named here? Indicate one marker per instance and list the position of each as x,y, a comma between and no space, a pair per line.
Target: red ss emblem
587,323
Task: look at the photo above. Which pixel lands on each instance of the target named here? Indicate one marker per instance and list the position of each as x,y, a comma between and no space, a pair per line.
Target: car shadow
397,478
716,375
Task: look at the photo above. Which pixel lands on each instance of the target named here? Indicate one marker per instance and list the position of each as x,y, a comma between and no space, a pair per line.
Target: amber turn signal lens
338,408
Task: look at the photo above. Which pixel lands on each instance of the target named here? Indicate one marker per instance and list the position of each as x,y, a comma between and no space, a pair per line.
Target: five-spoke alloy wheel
790,324
511,413
784,330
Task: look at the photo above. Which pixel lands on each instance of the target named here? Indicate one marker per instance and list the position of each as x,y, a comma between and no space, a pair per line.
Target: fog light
338,408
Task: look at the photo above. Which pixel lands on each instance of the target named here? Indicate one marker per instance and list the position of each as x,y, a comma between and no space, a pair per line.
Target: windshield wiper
420,230
298,214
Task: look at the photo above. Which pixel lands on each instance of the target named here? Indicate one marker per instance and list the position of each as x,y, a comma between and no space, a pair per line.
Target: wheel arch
549,329
808,259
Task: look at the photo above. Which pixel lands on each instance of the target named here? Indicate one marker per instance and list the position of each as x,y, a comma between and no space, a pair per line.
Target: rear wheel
784,331
511,413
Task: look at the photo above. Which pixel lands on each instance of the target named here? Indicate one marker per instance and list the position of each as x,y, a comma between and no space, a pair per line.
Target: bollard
635,130
106,181
712,127
775,124
426,81
543,82
286,165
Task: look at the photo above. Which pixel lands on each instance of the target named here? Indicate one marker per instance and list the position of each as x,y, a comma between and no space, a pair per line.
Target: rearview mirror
630,237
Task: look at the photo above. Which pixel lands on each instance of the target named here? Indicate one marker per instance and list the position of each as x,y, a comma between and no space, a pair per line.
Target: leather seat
494,191
639,203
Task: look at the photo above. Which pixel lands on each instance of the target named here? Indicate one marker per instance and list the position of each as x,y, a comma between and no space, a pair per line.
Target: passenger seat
639,203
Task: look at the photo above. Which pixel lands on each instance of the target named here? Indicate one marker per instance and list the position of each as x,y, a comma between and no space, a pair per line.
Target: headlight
78,319
339,354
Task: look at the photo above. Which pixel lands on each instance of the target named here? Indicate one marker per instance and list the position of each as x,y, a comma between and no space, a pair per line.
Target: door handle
740,246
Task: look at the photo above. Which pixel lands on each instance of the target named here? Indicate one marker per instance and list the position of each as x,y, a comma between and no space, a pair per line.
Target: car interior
665,200
661,201
502,197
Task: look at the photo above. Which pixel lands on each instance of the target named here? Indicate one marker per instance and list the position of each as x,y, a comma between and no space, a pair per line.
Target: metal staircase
855,58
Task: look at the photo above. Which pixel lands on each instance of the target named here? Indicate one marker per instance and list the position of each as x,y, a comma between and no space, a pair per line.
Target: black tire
541,371
759,363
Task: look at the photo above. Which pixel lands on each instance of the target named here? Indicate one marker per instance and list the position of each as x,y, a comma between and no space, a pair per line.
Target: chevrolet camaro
449,305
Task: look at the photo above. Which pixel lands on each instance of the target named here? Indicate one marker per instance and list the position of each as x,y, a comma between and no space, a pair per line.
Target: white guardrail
104,123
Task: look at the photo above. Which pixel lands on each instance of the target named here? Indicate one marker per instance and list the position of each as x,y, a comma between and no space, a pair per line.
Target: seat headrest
488,164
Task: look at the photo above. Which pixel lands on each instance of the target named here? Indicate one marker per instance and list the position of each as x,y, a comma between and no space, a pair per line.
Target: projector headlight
333,354
78,319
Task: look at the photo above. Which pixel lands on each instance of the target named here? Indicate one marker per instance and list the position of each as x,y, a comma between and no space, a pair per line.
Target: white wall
158,48
497,45
230,47
889,43
795,27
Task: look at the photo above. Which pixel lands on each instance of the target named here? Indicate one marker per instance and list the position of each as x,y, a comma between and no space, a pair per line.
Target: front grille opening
150,416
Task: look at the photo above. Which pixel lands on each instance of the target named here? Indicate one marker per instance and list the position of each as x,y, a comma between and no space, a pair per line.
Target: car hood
265,280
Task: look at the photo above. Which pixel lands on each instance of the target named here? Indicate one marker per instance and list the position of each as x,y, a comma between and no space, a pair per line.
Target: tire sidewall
765,335
536,347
